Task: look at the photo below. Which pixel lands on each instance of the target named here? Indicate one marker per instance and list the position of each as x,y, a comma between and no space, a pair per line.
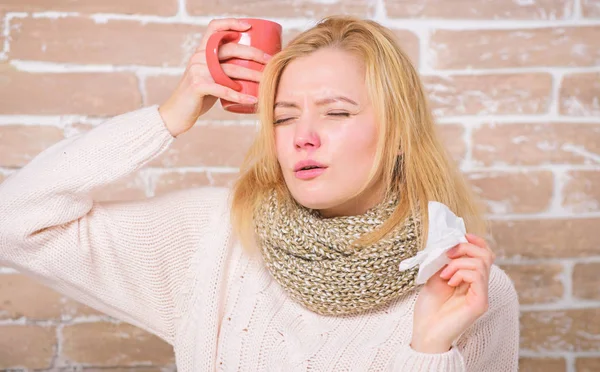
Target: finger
239,72
221,91
463,263
477,283
235,50
471,250
224,24
478,241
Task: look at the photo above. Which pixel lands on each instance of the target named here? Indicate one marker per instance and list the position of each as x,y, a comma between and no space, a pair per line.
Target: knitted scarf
313,258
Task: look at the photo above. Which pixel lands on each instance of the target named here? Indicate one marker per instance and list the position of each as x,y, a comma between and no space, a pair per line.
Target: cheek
355,142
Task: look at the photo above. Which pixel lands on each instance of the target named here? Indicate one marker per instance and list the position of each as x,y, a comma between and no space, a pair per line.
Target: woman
335,193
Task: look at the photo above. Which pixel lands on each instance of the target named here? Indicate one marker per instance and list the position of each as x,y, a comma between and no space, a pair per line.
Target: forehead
322,72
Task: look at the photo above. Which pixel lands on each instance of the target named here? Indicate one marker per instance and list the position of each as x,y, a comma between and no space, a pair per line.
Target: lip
307,163
308,173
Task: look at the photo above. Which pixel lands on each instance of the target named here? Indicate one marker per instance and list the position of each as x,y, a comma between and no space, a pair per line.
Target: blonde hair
422,172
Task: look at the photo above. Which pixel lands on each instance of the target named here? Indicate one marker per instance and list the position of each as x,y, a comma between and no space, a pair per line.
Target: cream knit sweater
171,266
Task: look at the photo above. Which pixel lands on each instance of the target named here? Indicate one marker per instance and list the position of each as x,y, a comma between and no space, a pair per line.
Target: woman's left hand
454,298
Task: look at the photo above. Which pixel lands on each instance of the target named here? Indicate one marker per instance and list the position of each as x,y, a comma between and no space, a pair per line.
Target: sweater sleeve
491,344
126,259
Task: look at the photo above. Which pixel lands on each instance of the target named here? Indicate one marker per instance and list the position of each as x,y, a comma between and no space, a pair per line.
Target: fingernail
268,56
251,99
245,24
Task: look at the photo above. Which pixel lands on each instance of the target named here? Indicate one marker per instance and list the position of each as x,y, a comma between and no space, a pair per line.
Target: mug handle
212,58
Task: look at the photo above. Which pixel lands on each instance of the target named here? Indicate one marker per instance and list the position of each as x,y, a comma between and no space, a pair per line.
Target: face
326,133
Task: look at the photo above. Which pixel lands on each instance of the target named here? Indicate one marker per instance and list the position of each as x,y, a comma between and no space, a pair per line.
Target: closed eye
281,121
343,114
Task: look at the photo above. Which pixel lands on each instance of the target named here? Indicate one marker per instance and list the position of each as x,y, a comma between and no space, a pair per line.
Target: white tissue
445,231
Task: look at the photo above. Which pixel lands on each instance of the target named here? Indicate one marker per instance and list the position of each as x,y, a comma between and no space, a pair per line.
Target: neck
357,205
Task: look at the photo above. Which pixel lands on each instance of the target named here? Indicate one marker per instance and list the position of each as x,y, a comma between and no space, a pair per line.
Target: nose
305,136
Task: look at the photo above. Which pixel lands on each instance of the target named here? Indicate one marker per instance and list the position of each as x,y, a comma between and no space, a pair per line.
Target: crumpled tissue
445,231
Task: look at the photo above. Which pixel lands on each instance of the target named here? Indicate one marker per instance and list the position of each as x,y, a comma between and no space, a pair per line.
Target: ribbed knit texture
170,265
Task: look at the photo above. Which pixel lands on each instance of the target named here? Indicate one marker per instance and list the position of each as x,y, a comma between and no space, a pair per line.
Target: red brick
153,7
171,181
586,283
590,8
131,187
591,364
514,192
581,192
480,9
108,344
452,136
489,94
132,369
556,46
561,330
20,143
536,283
114,42
542,365
159,88
535,144
551,238
580,95
102,94
209,145
27,346
409,42
25,297
276,8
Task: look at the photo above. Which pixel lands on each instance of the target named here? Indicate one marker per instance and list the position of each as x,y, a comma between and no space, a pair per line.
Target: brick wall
515,84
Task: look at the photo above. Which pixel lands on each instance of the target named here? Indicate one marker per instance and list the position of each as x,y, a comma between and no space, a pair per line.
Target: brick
548,238
25,297
536,283
171,181
575,330
20,143
209,145
581,192
409,42
108,344
159,88
101,94
590,364
480,9
556,46
152,7
586,283
536,144
275,8
131,187
590,8
115,42
580,95
489,94
133,369
514,192
542,365
452,135
27,346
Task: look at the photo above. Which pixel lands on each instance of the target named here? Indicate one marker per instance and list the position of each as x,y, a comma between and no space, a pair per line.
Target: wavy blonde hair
423,171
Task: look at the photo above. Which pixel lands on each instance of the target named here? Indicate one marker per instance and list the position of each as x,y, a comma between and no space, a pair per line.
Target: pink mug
264,35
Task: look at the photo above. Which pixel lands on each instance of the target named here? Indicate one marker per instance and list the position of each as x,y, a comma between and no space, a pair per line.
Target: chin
315,198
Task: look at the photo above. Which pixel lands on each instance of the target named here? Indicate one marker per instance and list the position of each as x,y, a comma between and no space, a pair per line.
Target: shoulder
502,294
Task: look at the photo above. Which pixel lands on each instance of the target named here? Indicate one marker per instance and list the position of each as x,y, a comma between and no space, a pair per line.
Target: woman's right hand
197,91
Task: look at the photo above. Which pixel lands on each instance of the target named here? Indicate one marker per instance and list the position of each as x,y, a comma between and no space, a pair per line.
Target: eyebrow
321,102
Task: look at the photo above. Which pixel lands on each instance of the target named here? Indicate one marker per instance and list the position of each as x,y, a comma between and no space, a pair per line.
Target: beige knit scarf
314,260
